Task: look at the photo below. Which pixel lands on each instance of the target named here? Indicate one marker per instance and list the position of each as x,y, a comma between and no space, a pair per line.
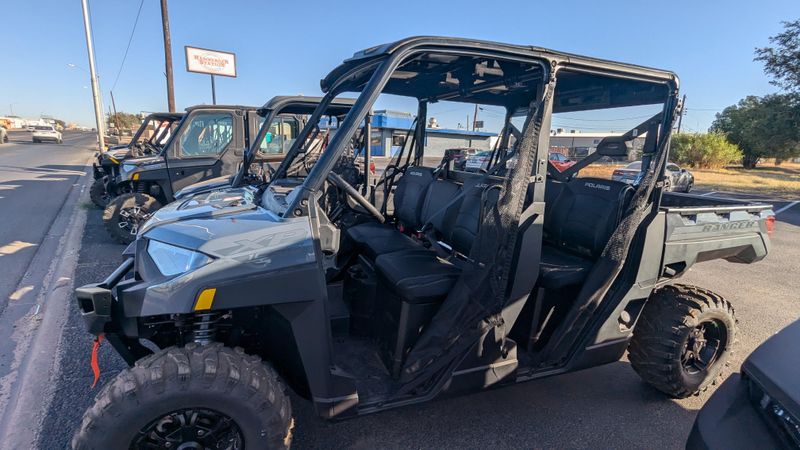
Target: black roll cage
297,105
155,118
384,60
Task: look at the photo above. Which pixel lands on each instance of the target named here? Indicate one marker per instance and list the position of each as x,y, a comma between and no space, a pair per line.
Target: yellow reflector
114,160
205,299
135,177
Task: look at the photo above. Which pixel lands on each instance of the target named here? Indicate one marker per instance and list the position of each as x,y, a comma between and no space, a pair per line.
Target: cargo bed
702,228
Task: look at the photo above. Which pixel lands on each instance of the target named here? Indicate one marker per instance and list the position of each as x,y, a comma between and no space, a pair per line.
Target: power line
130,39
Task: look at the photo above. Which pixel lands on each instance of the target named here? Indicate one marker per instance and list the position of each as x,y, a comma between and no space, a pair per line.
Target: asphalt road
603,407
34,181
39,189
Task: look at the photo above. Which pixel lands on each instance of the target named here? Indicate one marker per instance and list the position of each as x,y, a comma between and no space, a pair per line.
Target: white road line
708,193
786,207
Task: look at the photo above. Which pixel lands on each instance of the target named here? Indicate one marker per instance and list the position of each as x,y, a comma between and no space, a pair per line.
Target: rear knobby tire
666,349
185,380
126,213
98,194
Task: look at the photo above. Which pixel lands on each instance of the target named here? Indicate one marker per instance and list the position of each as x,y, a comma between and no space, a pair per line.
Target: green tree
762,127
782,61
124,121
704,151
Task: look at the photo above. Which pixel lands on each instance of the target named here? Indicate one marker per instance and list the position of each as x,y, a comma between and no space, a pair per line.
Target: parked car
759,408
478,162
42,133
459,156
560,161
677,179
304,284
557,160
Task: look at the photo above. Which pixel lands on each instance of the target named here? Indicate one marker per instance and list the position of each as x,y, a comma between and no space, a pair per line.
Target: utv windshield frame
156,118
288,104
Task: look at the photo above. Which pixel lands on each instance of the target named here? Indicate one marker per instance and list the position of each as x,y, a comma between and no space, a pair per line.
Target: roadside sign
211,62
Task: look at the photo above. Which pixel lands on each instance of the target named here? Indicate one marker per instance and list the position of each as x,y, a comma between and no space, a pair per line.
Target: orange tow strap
95,366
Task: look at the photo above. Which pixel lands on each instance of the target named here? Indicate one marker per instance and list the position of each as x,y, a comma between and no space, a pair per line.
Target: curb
37,326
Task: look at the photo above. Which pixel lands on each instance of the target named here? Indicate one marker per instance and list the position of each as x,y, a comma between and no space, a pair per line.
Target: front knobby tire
198,396
684,340
98,193
125,214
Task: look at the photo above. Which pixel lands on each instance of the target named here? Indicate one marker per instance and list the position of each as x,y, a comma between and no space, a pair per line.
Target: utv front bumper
95,301
103,313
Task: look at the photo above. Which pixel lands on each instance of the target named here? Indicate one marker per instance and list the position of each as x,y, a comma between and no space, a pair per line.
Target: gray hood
205,204
202,187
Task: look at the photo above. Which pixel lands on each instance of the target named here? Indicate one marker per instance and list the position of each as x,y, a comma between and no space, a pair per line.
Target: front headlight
172,260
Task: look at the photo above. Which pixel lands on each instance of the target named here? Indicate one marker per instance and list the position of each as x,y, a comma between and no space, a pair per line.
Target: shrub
704,151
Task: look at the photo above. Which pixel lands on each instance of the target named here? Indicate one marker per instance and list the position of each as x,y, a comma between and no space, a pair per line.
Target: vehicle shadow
50,169
602,407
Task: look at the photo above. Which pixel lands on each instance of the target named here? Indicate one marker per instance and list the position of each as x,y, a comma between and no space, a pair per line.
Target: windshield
43,128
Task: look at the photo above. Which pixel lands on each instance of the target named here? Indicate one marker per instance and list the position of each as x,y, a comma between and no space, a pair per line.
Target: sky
286,47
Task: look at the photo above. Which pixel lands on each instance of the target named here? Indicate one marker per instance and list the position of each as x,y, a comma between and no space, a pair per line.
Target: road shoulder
33,324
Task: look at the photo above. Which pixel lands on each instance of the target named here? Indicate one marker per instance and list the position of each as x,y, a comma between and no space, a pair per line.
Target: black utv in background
216,193
208,143
149,139
254,170
453,282
759,408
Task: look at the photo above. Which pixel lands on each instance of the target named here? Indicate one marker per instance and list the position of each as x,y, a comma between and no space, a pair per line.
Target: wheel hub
131,218
190,429
705,343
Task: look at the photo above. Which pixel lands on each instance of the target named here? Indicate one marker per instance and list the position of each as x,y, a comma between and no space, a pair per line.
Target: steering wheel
334,178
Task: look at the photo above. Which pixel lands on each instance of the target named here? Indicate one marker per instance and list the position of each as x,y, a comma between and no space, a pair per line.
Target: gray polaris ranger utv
208,143
148,140
453,282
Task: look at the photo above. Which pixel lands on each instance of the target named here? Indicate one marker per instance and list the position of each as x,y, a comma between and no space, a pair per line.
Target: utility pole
683,113
213,91
98,108
475,117
114,105
167,56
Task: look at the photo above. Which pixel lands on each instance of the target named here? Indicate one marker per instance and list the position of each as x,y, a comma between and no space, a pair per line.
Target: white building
14,121
577,144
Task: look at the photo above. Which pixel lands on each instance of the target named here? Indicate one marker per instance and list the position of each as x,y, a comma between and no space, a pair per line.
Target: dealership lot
603,407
